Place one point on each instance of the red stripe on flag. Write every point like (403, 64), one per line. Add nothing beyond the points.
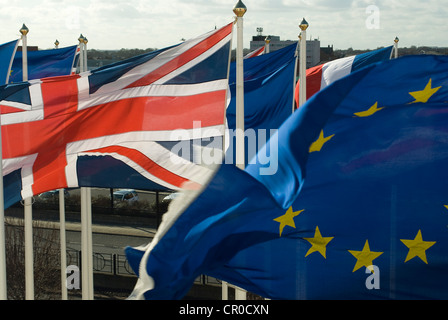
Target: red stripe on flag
(151, 114)
(184, 58)
(128, 115)
(49, 170)
(313, 82)
(60, 95)
(146, 163)
(8, 109)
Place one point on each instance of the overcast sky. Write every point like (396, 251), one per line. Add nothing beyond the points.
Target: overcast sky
(115, 24)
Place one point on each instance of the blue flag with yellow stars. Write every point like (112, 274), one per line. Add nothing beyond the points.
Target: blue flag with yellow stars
(357, 209)
(7, 51)
(268, 98)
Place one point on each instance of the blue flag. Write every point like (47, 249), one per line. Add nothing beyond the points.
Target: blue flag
(7, 51)
(358, 208)
(268, 97)
(44, 63)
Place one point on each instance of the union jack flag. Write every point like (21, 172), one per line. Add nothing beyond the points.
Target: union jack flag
(113, 126)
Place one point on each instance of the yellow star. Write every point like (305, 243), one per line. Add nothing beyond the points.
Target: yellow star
(424, 95)
(287, 219)
(318, 243)
(372, 110)
(365, 257)
(417, 247)
(319, 143)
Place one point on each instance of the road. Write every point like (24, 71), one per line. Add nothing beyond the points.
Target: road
(106, 238)
(109, 239)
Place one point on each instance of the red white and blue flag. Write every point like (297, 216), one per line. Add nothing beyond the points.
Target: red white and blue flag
(255, 53)
(113, 126)
(321, 76)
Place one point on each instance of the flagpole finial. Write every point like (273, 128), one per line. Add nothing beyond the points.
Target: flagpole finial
(81, 38)
(396, 40)
(268, 39)
(24, 30)
(239, 9)
(85, 40)
(304, 25)
(56, 43)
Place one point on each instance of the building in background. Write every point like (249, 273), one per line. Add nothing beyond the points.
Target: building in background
(312, 46)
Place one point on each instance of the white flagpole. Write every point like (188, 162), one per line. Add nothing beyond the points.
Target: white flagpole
(239, 10)
(394, 52)
(89, 239)
(81, 53)
(302, 93)
(267, 46)
(86, 211)
(28, 214)
(62, 233)
(24, 31)
(396, 47)
(294, 83)
(85, 54)
(63, 245)
(89, 211)
(84, 246)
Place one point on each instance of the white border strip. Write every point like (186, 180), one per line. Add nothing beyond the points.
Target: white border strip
(147, 91)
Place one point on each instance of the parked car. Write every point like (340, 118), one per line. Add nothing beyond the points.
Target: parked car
(125, 195)
(53, 195)
(171, 197)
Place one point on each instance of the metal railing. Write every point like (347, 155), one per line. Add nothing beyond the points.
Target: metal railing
(111, 263)
(117, 264)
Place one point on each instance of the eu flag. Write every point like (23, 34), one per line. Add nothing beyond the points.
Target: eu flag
(358, 208)
(7, 51)
(268, 97)
(44, 63)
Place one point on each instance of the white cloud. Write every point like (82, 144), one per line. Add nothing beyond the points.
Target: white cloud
(160, 23)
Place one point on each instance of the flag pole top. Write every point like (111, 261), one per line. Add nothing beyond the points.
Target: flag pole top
(396, 40)
(81, 38)
(239, 9)
(24, 30)
(303, 25)
(56, 43)
(85, 40)
(268, 39)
